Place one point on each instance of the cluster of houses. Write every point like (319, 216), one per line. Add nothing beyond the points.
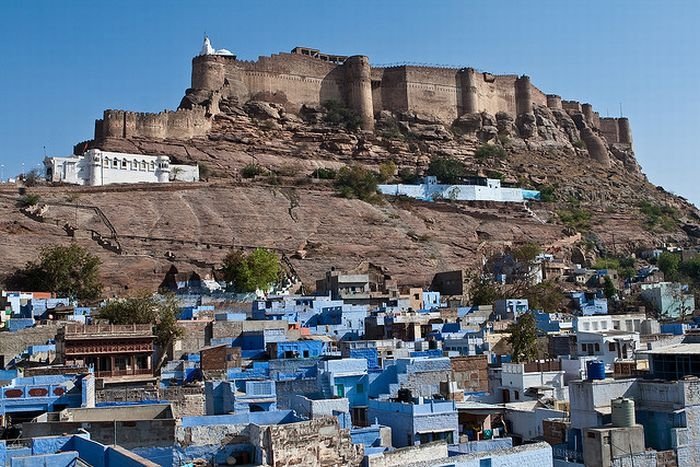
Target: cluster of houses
(362, 372)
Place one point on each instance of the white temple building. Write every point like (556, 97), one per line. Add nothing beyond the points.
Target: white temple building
(207, 49)
(97, 167)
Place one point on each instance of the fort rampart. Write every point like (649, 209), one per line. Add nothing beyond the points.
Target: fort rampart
(295, 79)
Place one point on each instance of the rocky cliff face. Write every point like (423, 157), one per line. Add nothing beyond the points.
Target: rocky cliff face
(140, 231)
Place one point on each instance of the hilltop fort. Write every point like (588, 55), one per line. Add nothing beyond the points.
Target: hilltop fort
(306, 78)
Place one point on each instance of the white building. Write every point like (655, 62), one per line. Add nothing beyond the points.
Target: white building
(524, 381)
(97, 167)
(489, 189)
(608, 346)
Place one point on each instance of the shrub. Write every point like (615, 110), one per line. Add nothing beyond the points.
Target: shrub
(489, 151)
(607, 263)
(387, 170)
(30, 199)
(408, 176)
(390, 130)
(659, 217)
(547, 193)
(339, 115)
(578, 144)
(324, 173)
(251, 170)
(575, 217)
(446, 169)
(204, 171)
(357, 182)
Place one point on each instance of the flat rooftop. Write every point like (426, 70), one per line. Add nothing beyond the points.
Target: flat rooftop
(681, 349)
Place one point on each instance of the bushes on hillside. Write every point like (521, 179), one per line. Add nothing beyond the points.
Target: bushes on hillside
(358, 182)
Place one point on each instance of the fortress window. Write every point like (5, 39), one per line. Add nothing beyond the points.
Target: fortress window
(124, 164)
(115, 163)
(152, 167)
(105, 163)
(143, 165)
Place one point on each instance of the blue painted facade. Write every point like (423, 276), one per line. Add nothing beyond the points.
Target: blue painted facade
(420, 422)
(590, 303)
(242, 396)
(45, 393)
(296, 349)
(63, 451)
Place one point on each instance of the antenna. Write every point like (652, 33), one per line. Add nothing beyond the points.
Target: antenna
(620, 109)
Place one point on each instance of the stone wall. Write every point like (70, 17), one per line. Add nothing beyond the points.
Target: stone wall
(185, 401)
(319, 442)
(294, 80)
(471, 373)
(179, 124)
(403, 456)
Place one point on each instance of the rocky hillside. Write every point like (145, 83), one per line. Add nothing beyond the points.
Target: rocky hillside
(598, 199)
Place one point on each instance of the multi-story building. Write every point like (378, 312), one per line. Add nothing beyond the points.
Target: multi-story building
(110, 350)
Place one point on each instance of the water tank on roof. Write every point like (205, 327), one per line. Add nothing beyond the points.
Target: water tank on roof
(595, 369)
(623, 412)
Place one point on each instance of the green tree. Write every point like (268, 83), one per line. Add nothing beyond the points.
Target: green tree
(257, 270)
(387, 170)
(339, 115)
(545, 296)
(356, 181)
(408, 176)
(145, 308)
(609, 288)
(446, 169)
(489, 151)
(669, 263)
(484, 291)
(527, 253)
(523, 338)
(691, 268)
(65, 270)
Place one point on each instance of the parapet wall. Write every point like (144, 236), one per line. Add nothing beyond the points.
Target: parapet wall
(295, 80)
(179, 124)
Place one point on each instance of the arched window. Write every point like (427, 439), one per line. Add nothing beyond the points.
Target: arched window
(143, 165)
(105, 163)
(152, 166)
(124, 164)
(115, 163)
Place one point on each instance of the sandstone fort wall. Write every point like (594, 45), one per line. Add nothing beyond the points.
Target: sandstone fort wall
(179, 124)
(295, 80)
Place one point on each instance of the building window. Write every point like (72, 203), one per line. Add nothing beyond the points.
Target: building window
(340, 390)
(611, 346)
(517, 395)
(306, 354)
(583, 347)
(597, 347)
(152, 167)
(143, 166)
(124, 164)
(360, 388)
(115, 164)
(105, 163)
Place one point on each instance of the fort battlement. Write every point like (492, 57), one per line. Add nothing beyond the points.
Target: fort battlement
(309, 77)
(178, 124)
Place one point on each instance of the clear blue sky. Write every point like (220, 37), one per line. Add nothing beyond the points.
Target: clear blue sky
(63, 63)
